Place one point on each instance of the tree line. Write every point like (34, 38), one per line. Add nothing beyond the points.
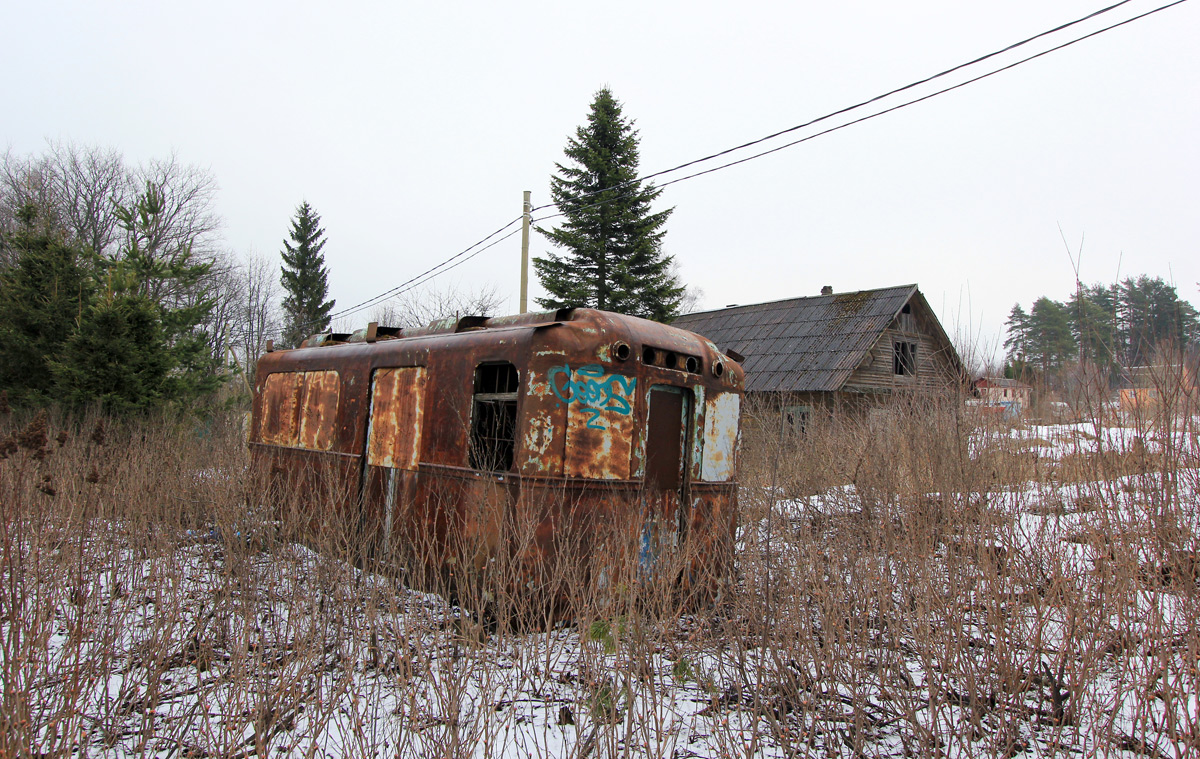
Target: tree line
(1111, 326)
(115, 289)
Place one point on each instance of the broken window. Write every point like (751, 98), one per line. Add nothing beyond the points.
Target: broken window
(795, 419)
(904, 358)
(494, 417)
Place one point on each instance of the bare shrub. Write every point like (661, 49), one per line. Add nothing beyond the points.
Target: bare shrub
(909, 582)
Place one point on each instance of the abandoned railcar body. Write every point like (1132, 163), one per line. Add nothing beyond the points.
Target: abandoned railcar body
(571, 417)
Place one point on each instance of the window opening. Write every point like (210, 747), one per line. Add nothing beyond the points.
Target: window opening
(795, 419)
(904, 358)
(494, 417)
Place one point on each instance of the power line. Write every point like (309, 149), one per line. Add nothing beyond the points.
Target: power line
(850, 108)
(915, 100)
(431, 272)
(423, 277)
(467, 254)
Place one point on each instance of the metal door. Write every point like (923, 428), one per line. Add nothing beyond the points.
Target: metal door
(668, 431)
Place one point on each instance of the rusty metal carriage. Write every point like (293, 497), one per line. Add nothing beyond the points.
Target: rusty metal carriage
(437, 434)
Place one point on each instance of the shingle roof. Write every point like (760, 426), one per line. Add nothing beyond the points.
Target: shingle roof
(802, 344)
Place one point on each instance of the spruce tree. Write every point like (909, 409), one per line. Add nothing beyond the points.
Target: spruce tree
(612, 242)
(43, 296)
(305, 278)
(140, 343)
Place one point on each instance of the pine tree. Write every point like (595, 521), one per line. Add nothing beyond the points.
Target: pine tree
(1050, 341)
(613, 256)
(305, 278)
(1016, 345)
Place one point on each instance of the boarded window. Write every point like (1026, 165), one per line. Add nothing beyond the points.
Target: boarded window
(721, 414)
(599, 421)
(279, 422)
(318, 410)
(494, 417)
(299, 409)
(904, 358)
(397, 403)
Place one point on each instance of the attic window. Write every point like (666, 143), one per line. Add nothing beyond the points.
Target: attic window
(494, 417)
(904, 358)
(906, 309)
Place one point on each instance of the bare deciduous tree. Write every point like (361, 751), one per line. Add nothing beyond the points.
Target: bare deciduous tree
(86, 182)
(258, 313)
(416, 308)
(74, 187)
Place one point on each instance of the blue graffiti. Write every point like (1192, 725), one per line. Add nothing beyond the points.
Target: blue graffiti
(595, 392)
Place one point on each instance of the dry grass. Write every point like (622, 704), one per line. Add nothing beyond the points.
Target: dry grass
(912, 585)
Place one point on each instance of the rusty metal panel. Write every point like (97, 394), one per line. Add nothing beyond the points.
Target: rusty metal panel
(318, 410)
(279, 423)
(599, 420)
(397, 418)
(721, 414)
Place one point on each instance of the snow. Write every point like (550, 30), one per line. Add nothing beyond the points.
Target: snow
(198, 651)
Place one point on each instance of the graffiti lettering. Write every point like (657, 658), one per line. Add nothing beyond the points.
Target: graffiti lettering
(594, 391)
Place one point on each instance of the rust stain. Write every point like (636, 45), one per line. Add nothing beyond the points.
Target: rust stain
(318, 409)
(397, 416)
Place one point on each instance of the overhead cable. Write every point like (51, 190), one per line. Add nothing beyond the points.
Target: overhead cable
(467, 254)
(850, 108)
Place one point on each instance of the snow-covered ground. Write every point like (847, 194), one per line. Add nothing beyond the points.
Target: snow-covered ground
(1026, 621)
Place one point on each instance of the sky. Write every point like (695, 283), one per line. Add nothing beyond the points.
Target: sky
(413, 128)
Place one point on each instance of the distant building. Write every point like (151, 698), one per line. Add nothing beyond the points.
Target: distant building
(1145, 388)
(1008, 396)
(835, 349)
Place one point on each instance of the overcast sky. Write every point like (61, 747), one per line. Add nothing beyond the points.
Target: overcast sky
(412, 128)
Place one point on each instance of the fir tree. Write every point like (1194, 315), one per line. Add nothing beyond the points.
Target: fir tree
(140, 343)
(305, 278)
(613, 257)
(42, 298)
(119, 358)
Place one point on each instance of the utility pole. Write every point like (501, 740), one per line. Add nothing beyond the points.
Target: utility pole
(526, 207)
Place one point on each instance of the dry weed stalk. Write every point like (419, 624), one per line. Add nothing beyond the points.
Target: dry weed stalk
(933, 583)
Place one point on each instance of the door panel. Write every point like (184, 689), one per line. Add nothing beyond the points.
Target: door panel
(665, 440)
(665, 484)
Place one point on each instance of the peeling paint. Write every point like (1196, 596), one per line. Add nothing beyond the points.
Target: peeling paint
(721, 419)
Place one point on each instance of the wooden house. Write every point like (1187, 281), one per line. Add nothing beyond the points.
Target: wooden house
(834, 350)
(1008, 397)
(1149, 388)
